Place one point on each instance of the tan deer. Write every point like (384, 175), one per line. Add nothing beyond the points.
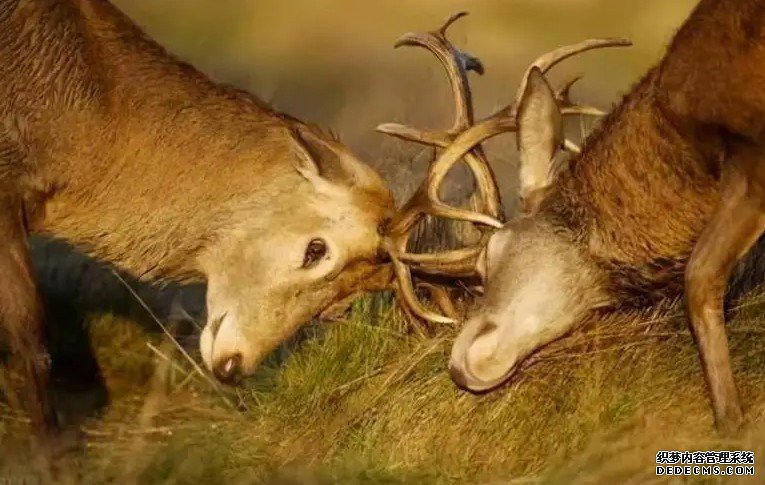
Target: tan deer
(109, 142)
(667, 196)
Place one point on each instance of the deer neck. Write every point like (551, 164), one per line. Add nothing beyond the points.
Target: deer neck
(639, 195)
(150, 192)
(141, 159)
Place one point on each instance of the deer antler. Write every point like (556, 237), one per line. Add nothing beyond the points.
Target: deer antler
(536, 114)
(539, 130)
(426, 200)
(511, 118)
(456, 64)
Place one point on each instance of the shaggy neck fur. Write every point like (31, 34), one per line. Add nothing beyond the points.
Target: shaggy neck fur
(647, 181)
(636, 198)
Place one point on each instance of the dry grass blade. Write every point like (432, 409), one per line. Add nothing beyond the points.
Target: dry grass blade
(175, 342)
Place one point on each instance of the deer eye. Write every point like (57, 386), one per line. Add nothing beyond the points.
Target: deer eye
(314, 252)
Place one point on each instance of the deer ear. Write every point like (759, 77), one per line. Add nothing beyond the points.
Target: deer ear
(540, 133)
(318, 157)
(304, 161)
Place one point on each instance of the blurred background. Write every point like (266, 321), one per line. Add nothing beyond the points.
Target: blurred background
(332, 62)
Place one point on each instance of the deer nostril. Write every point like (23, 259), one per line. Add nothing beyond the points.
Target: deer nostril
(228, 370)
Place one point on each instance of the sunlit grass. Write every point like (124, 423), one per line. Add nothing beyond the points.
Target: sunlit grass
(365, 401)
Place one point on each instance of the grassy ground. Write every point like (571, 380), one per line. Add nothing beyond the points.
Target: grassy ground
(365, 401)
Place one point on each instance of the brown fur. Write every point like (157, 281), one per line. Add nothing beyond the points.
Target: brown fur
(671, 185)
(21, 313)
(78, 109)
(648, 180)
(636, 167)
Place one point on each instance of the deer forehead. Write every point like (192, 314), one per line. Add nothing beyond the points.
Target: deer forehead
(352, 218)
(347, 218)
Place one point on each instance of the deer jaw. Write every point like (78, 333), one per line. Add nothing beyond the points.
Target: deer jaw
(538, 287)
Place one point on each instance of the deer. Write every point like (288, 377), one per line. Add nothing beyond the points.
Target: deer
(109, 142)
(663, 201)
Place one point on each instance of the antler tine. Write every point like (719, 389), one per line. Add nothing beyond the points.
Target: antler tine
(568, 107)
(572, 147)
(475, 160)
(407, 292)
(459, 148)
(565, 90)
(408, 133)
(395, 245)
(456, 262)
(456, 64)
(563, 94)
(546, 61)
(579, 109)
(449, 21)
(550, 59)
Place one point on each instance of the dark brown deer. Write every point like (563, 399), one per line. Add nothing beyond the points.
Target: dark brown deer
(667, 196)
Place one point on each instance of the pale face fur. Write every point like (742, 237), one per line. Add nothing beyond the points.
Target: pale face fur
(260, 291)
(537, 288)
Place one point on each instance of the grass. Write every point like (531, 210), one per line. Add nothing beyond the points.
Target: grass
(364, 401)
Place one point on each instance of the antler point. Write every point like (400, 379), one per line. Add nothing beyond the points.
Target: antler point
(452, 18)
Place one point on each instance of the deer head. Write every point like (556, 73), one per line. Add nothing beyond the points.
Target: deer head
(305, 248)
(318, 267)
(532, 275)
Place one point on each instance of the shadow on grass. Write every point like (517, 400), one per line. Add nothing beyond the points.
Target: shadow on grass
(75, 288)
